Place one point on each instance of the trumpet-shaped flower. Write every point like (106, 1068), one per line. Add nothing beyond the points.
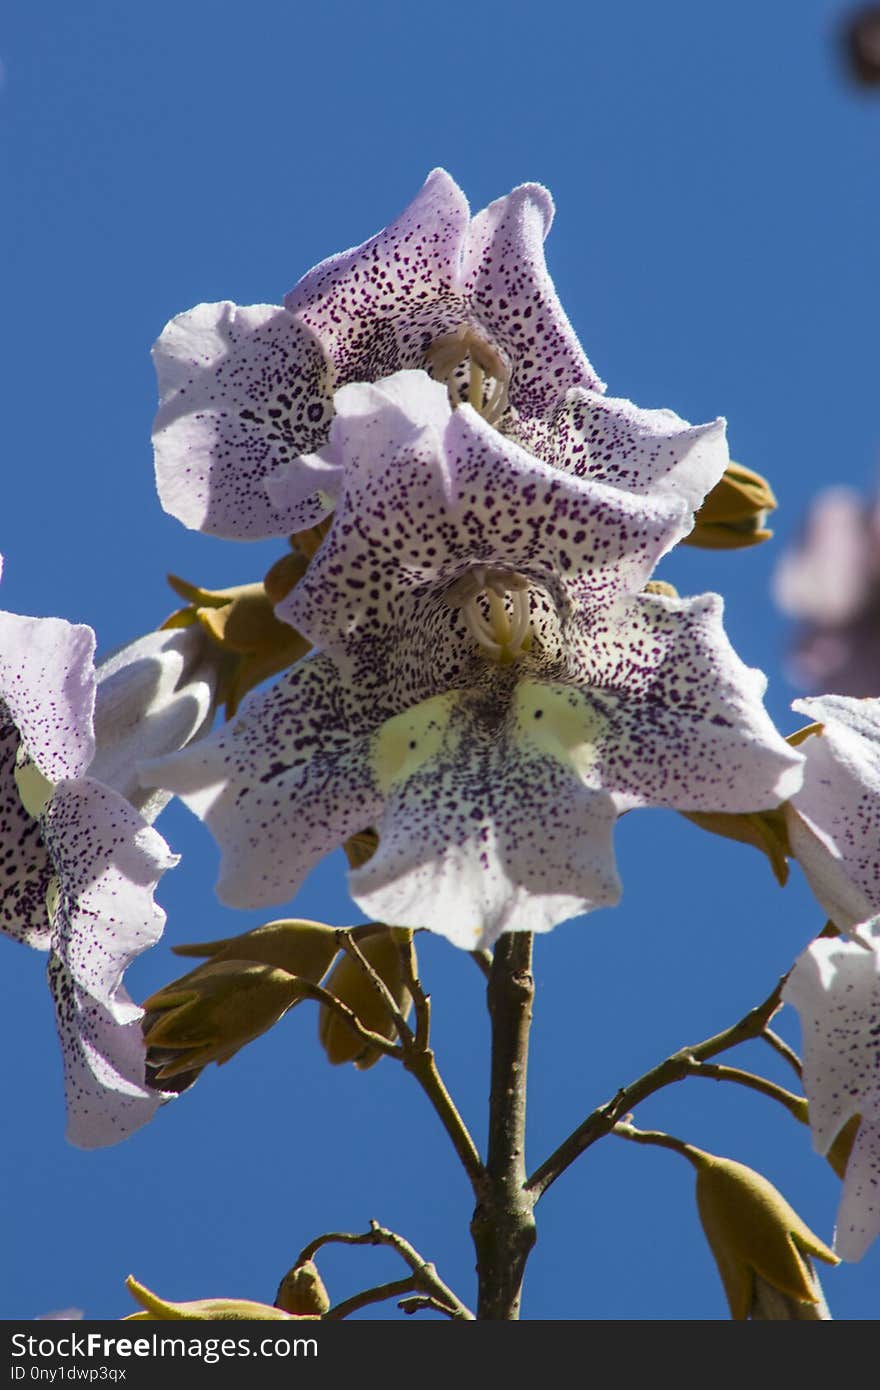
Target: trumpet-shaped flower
(835, 987)
(79, 862)
(834, 829)
(834, 820)
(494, 688)
(246, 390)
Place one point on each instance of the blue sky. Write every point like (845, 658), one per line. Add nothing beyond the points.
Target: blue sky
(715, 247)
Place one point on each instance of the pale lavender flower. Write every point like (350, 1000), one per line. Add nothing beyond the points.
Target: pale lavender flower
(830, 582)
(495, 688)
(79, 862)
(245, 390)
(834, 819)
(834, 828)
(835, 986)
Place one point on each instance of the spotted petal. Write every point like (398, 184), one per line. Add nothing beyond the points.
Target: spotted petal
(511, 296)
(107, 862)
(377, 307)
(482, 832)
(423, 502)
(676, 718)
(281, 785)
(25, 869)
(47, 690)
(242, 392)
(835, 824)
(835, 987)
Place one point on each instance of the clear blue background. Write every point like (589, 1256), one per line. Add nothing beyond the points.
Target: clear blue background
(716, 248)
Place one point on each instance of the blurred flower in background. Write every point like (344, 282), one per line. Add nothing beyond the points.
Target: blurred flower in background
(861, 36)
(830, 582)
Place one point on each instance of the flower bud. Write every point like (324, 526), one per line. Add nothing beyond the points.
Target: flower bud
(209, 1014)
(757, 1239)
(734, 513)
(302, 1291)
(349, 983)
(202, 1310)
(241, 622)
(297, 946)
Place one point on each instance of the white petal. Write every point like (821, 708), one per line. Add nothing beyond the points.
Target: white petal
(25, 869)
(154, 696)
(840, 804)
(107, 862)
(512, 297)
(377, 307)
(244, 391)
(281, 785)
(47, 685)
(681, 718)
(481, 833)
(835, 987)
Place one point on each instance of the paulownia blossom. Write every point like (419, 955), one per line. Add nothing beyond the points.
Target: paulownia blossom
(834, 819)
(79, 862)
(835, 987)
(834, 827)
(495, 688)
(245, 390)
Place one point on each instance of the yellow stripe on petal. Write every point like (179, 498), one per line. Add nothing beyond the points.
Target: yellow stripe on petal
(409, 740)
(555, 721)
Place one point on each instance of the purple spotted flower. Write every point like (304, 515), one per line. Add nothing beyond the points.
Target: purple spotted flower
(494, 687)
(834, 820)
(247, 390)
(835, 986)
(834, 827)
(79, 862)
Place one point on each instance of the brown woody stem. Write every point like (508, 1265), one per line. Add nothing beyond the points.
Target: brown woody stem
(503, 1225)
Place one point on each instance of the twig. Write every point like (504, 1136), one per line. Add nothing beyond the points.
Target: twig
(416, 1304)
(713, 1071)
(323, 996)
(368, 1296)
(403, 938)
(418, 1057)
(781, 1046)
(624, 1130)
(425, 1276)
(675, 1068)
(346, 943)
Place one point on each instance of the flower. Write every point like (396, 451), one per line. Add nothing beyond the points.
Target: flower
(830, 582)
(494, 687)
(833, 828)
(80, 862)
(835, 987)
(244, 391)
(834, 818)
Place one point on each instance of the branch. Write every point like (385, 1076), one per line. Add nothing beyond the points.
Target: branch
(323, 996)
(675, 1068)
(795, 1105)
(425, 1276)
(375, 1295)
(503, 1225)
(416, 1054)
(781, 1046)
